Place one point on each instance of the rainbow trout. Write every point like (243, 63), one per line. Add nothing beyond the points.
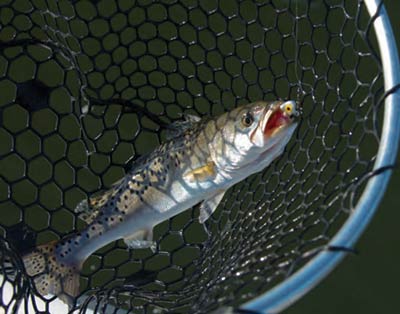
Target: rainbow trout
(200, 161)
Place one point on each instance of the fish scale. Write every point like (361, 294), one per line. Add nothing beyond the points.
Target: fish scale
(197, 164)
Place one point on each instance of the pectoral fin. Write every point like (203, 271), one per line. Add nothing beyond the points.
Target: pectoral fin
(141, 240)
(209, 206)
(202, 173)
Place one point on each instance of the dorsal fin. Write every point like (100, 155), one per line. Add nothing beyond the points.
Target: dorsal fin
(88, 210)
(180, 126)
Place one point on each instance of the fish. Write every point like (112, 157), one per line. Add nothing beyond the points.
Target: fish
(200, 160)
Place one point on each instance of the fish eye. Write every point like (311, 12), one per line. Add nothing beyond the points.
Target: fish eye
(247, 119)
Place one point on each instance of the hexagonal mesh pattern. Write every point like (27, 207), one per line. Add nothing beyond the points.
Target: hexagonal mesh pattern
(86, 88)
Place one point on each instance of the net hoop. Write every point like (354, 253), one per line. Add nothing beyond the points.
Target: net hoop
(301, 282)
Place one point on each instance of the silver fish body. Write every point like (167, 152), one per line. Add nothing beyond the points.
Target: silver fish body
(201, 161)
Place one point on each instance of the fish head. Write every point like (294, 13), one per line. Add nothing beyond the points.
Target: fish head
(251, 136)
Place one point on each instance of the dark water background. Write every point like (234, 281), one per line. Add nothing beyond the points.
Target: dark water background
(368, 283)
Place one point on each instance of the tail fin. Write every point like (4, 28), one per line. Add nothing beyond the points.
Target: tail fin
(51, 276)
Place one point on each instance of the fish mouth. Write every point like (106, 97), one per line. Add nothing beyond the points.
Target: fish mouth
(275, 121)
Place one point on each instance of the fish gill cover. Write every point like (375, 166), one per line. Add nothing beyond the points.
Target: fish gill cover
(88, 87)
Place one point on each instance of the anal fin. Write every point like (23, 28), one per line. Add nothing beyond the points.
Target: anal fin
(141, 240)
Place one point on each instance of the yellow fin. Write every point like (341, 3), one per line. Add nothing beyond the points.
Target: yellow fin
(202, 173)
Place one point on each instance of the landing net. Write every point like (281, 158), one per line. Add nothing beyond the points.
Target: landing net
(88, 87)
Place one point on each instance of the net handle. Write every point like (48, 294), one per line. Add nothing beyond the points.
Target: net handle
(292, 289)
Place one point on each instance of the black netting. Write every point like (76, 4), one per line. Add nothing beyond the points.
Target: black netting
(87, 88)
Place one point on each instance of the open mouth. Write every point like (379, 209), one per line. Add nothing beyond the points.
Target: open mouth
(276, 121)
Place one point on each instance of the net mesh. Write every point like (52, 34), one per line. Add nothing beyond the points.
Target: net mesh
(87, 87)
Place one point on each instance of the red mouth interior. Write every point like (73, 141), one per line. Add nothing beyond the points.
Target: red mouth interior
(276, 120)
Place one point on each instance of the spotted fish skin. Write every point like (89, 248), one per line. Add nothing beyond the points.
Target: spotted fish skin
(198, 164)
(148, 194)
